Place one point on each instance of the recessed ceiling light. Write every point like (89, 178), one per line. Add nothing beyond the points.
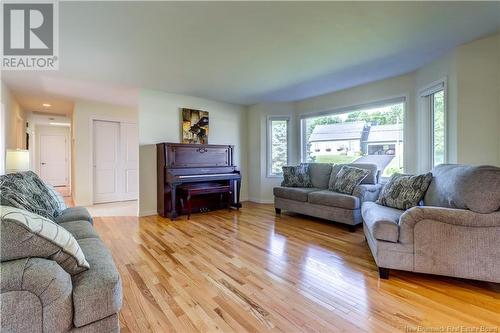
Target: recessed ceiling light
(47, 105)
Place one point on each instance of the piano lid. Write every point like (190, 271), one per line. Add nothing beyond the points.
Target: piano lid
(179, 155)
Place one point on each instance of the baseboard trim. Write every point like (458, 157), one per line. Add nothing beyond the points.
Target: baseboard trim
(148, 213)
(261, 201)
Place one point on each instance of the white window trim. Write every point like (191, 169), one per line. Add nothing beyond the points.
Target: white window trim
(370, 105)
(425, 93)
(270, 119)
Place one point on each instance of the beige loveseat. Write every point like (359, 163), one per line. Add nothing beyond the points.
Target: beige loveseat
(455, 233)
(320, 202)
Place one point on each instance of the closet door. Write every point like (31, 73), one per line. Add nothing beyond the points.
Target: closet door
(107, 166)
(130, 153)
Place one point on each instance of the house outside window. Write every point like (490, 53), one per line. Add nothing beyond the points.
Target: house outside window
(370, 134)
(277, 144)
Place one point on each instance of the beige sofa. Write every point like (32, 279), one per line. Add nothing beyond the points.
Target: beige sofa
(455, 233)
(318, 201)
(36, 293)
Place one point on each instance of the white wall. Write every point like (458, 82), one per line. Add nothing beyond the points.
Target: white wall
(473, 76)
(478, 122)
(261, 186)
(442, 68)
(15, 121)
(83, 114)
(159, 121)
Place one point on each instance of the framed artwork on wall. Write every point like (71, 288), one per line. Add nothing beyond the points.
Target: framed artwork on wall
(194, 126)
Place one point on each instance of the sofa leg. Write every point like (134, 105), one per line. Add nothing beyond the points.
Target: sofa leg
(277, 210)
(383, 273)
(351, 228)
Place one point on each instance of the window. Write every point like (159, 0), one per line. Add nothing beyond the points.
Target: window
(277, 145)
(367, 134)
(434, 105)
(438, 127)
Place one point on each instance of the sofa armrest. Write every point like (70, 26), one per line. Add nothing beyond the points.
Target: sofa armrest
(28, 279)
(367, 192)
(458, 217)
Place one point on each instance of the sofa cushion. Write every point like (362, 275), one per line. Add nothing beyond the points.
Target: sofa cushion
(371, 178)
(80, 229)
(74, 214)
(97, 292)
(27, 191)
(293, 193)
(347, 179)
(320, 174)
(382, 222)
(404, 191)
(333, 199)
(296, 176)
(25, 234)
(465, 187)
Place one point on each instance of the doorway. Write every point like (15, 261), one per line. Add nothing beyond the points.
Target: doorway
(115, 161)
(52, 154)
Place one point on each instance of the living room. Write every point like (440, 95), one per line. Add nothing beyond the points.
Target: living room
(250, 166)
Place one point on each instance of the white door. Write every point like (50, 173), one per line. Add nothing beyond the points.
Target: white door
(130, 153)
(54, 159)
(107, 182)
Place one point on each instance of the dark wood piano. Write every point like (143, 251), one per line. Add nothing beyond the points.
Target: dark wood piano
(183, 164)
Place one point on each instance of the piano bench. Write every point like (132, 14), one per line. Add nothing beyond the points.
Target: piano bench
(190, 190)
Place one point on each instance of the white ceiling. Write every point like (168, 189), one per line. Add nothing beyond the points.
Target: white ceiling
(247, 52)
(33, 102)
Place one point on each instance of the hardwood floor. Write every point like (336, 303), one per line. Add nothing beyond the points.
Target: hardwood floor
(252, 271)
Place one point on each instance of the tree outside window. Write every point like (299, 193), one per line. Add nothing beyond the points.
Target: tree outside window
(278, 145)
(438, 128)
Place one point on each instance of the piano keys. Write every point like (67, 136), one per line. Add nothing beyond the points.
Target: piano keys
(179, 164)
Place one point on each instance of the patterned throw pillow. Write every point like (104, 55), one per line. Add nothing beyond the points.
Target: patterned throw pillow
(347, 179)
(57, 197)
(25, 235)
(296, 176)
(27, 191)
(404, 191)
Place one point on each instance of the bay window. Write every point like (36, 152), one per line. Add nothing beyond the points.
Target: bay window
(370, 133)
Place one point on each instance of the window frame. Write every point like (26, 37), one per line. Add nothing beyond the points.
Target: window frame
(269, 163)
(427, 97)
(398, 99)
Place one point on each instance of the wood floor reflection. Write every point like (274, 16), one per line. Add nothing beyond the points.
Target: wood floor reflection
(252, 271)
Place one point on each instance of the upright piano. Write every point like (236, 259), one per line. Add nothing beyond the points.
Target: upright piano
(179, 164)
